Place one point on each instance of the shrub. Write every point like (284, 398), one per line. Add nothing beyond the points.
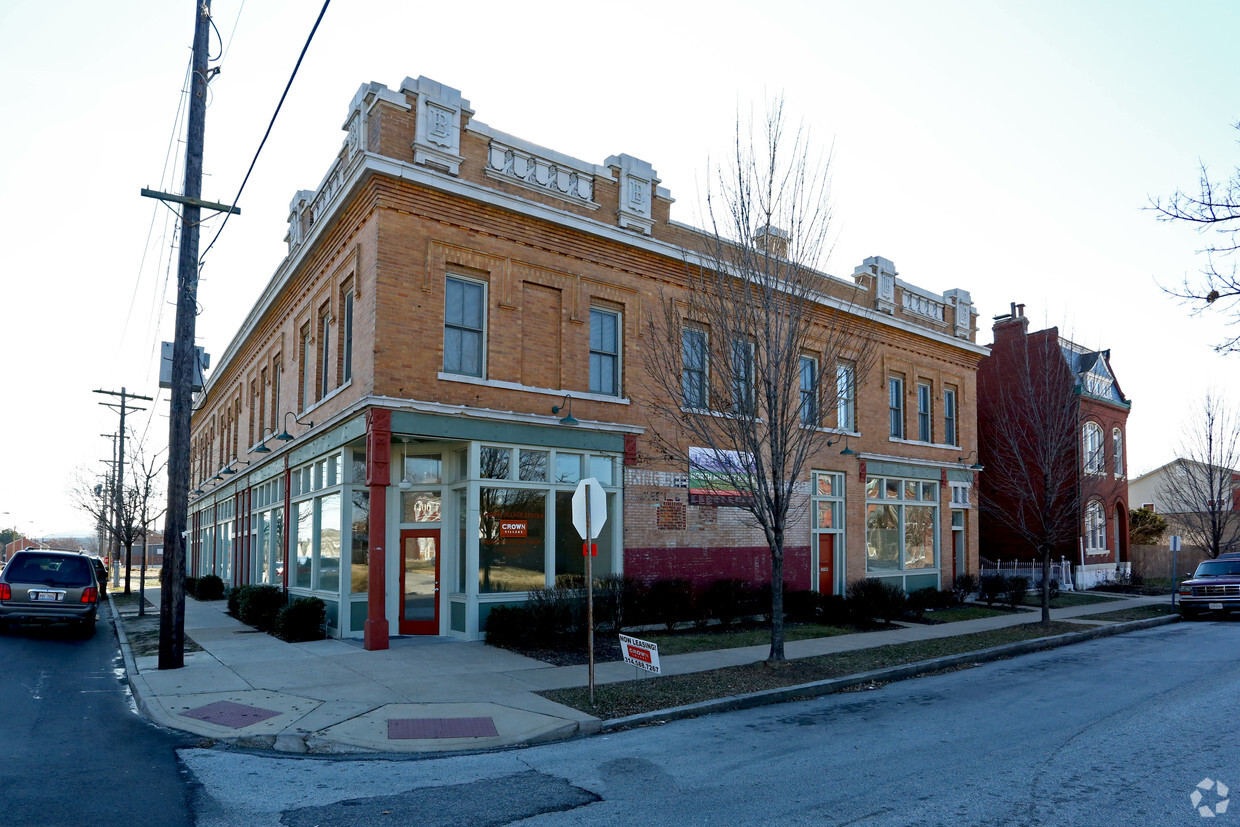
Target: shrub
(963, 586)
(801, 606)
(609, 602)
(872, 599)
(234, 599)
(922, 600)
(991, 588)
(762, 601)
(258, 605)
(555, 612)
(1014, 593)
(1054, 588)
(833, 609)
(671, 602)
(210, 587)
(727, 599)
(509, 625)
(191, 586)
(305, 618)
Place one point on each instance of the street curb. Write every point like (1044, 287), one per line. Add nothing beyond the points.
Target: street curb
(894, 673)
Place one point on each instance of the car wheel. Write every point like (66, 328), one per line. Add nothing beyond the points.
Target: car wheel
(1190, 613)
(86, 628)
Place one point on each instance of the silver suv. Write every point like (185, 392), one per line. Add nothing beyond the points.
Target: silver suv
(40, 585)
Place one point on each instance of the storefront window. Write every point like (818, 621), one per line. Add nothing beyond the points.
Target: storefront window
(494, 463)
(600, 469)
(901, 530)
(277, 546)
(882, 535)
(358, 477)
(533, 466)
(359, 578)
(419, 507)
(567, 467)
(512, 540)
(303, 542)
(570, 563)
(424, 470)
(462, 537)
(264, 543)
(329, 543)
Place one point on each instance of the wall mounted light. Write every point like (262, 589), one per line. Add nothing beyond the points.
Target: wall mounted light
(965, 460)
(848, 452)
(568, 418)
(262, 443)
(284, 435)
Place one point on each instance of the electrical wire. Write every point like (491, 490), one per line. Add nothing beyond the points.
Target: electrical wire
(270, 125)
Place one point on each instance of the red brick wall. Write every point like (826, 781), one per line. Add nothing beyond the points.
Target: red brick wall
(703, 564)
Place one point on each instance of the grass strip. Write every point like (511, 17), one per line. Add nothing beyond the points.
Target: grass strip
(1135, 613)
(616, 700)
(739, 638)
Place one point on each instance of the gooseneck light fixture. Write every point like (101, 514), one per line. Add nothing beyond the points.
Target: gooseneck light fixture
(262, 443)
(847, 452)
(965, 460)
(568, 418)
(285, 436)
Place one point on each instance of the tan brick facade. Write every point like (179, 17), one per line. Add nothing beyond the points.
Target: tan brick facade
(415, 198)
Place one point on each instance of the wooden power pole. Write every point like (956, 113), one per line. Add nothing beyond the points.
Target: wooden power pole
(184, 358)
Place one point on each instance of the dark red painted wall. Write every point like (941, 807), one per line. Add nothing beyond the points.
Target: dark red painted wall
(701, 566)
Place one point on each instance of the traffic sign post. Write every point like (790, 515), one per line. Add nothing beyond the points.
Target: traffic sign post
(1175, 553)
(589, 514)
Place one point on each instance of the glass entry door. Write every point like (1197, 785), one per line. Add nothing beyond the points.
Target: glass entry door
(419, 582)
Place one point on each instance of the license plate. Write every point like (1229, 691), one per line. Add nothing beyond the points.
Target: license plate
(48, 596)
(1217, 607)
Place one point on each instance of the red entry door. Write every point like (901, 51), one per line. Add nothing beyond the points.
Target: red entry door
(826, 563)
(419, 582)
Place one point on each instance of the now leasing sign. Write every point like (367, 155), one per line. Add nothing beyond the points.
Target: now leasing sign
(641, 653)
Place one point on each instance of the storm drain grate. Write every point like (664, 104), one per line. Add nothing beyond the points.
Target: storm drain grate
(404, 728)
(229, 714)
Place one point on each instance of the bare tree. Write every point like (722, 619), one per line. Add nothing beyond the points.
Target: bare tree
(1215, 208)
(724, 363)
(1200, 491)
(1029, 427)
(136, 510)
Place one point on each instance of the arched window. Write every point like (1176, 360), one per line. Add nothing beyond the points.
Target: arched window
(1117, 445)
(1091, 439)
(1095, 528)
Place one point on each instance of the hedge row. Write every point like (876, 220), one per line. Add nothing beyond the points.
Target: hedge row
(552, 615)
(266, 607)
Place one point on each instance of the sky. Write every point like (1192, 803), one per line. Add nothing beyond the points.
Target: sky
(1005, 148)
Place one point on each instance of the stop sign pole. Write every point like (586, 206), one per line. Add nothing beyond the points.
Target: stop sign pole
(589, 514)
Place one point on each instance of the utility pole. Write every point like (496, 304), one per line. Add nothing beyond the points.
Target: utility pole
(184, 358)
(123, 529)
(109, 499)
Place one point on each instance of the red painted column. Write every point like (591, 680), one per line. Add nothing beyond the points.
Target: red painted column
(288, 517)
(378, 476)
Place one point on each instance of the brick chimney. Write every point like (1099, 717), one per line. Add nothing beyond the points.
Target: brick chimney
(772, 240)
(1011, 324)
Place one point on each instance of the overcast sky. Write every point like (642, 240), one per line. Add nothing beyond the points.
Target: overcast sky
(1006, 148)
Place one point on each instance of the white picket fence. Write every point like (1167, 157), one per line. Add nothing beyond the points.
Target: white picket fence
(1061, 571)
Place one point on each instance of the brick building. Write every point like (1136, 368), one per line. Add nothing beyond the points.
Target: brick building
(1098, 462)
(454, 340)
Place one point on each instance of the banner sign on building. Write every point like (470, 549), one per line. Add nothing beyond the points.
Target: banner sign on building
(641, 653)
(712, 474)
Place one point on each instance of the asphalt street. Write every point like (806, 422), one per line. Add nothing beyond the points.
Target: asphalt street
(1121, 730)
(73, 749)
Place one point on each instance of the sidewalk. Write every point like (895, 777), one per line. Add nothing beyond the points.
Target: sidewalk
(428, 695)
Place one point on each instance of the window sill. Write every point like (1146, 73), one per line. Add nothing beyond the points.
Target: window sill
(330, 395)
(514, 386)
(1097, 552)
(941, 445)
(720, 414)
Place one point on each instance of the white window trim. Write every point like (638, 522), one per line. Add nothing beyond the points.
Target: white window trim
(466, 379)
(486, 319)
(619, 354)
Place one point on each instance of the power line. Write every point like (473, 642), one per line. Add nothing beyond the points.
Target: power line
(267, 134)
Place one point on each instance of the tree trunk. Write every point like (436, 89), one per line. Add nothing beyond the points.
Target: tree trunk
(777, 600)
(1046, 585)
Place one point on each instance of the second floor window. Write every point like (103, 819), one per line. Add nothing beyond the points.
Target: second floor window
(1091, 445)
(845, 410)
(1117, 445)
(923, 412)
(325, 329)
(463, 328)
(604, 352)
(949, 416)
(742, 377)
(895, 406)
(307, 369)
(693, 355)
(346, 339)
(809, 391)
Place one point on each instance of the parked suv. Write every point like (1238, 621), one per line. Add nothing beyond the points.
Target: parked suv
(1214, 587)
(42, 586)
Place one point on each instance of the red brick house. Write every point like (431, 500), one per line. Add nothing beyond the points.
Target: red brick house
(1099, 481)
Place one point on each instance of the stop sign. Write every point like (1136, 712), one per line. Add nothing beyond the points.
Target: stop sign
(597, 508)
